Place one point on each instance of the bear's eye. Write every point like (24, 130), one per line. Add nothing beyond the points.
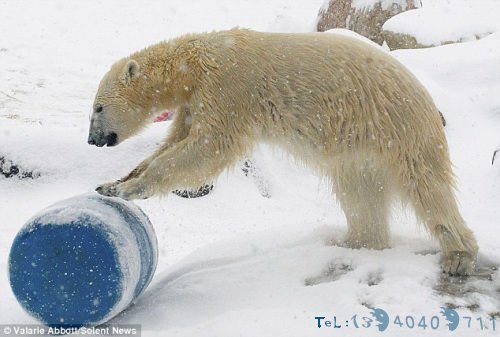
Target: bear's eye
(98, 108)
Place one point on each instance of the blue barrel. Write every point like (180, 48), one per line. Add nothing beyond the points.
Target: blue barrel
(83, 260)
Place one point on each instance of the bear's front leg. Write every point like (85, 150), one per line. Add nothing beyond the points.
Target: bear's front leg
(109, 189)
(179, 130)
(187, 164)
(128, 190)
(133, 189)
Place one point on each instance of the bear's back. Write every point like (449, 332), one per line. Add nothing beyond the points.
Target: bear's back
(321, 79)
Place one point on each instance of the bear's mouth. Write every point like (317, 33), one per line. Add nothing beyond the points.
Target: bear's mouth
(111, 139)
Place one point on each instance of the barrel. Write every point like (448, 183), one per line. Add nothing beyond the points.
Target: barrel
(83, 260)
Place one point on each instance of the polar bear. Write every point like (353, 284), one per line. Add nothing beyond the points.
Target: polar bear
(340, 106)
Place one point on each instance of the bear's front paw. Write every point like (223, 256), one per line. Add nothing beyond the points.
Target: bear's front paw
(132, 189)
(108, 189)
(458, 263)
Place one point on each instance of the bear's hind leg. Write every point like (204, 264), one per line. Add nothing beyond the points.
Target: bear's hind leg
(362, 190)
(430, 190)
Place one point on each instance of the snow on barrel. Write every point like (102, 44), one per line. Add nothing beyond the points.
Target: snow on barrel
(83, 260)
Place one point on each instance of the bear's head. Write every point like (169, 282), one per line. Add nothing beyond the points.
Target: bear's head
(138, 88)
(121, 105)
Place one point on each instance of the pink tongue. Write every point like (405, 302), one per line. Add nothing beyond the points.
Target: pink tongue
(163, 117)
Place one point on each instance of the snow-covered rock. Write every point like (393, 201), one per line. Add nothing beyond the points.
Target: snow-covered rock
(9, 169)
(442, 22)
(365, 17)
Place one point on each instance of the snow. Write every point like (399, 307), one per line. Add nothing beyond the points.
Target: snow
(235, 262)
(350, 33)
(444, 21)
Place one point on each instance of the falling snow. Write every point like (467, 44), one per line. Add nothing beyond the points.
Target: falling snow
(238, 262)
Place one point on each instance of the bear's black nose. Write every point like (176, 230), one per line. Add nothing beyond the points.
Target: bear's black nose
(100, 141)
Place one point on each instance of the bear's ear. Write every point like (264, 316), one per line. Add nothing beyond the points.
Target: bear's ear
(130, 71)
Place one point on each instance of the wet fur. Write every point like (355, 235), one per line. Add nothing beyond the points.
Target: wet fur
(348, 110)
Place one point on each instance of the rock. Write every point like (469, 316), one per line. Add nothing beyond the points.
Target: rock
(365, 17)
(401, 41)
(8, 169)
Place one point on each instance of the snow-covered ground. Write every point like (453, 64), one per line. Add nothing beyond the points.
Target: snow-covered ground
(235, 263)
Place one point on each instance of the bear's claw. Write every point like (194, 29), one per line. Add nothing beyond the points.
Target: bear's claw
(127, 190)
(458, 263)
(108, 189)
